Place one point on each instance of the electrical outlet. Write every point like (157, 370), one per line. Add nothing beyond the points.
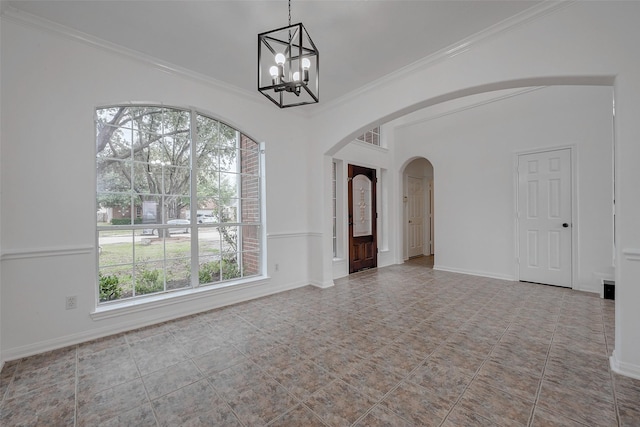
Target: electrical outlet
(71, 302)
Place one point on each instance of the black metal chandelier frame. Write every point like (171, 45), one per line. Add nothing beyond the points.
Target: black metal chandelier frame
(293, 64)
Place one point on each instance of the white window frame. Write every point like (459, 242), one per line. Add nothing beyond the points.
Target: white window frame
(106, 309)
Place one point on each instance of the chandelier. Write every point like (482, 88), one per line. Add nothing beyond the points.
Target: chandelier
(288, 66)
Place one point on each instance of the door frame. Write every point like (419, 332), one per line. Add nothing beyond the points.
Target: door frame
(575, 226)
(352, 170)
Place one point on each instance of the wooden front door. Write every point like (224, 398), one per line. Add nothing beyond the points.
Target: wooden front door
(363, 247)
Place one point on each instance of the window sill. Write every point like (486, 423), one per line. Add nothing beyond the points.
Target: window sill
(128, 307)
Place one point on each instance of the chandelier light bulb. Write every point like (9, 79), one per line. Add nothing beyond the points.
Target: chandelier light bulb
(296, 76)
(280, 59)
(306, 63)
(273, 71)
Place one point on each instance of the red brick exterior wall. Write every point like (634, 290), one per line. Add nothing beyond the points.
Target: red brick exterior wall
(250, 205)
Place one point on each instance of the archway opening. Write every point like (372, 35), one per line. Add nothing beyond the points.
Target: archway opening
(418, 218)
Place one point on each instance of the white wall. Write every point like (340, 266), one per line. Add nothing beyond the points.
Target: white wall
(51, 85)
(584, 43)
(473, 152)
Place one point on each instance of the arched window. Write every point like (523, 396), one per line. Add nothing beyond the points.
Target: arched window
(178, 202)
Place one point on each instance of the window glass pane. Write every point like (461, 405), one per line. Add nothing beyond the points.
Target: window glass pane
(113, 176)
(228, 136)
(228, 186)
(114, 142)
(178, 246)
(229, 211)
(362, 225)
(149, 248)
(176, 180)
(113, 209)
(209, 270)
(147, 119)
(151, 210)
(178, 211)
(147, 178)
(178, 274)
(115, 116)
(177, 122)
(208, 186)
(227, 159)
(178, 260)
(177, 149)
(209, 243)
(115, 283)
(230, 267)
(115, 247)
(228, 238)
(149, 278)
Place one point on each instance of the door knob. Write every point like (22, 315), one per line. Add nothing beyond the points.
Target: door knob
(565, 225)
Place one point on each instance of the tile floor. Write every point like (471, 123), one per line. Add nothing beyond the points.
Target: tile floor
(398, 346)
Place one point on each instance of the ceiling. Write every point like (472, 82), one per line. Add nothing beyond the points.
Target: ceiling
(359, 41)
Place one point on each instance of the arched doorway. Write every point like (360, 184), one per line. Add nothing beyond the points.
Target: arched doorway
(418, 219)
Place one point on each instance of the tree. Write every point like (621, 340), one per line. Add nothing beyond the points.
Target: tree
(145, 152)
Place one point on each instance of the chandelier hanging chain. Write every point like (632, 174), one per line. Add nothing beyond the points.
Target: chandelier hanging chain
(289, 20)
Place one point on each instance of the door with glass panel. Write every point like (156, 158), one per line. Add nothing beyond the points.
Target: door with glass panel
(363, 247)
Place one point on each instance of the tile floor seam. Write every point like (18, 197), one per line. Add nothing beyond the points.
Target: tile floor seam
(544, 369)
(215, 390)
(75, 396)
(474, 377)
(144, 385)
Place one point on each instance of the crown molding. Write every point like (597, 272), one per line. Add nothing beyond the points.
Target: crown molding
(545, 8)
(27, 19)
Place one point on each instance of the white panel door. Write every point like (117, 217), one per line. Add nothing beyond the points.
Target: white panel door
(415, 207)
(544, 217)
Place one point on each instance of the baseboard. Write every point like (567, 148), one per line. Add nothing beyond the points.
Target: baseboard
(141, 322)
(322, 285)
(622, 368)
(474, 273)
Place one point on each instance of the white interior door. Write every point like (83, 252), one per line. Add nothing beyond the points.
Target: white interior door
(544, 217)
(415, 207)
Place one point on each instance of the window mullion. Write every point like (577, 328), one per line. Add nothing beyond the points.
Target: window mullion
(193, 194)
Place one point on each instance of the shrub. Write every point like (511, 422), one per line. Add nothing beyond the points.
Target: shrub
(210, 271)
(109, 287)
(149, 281)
